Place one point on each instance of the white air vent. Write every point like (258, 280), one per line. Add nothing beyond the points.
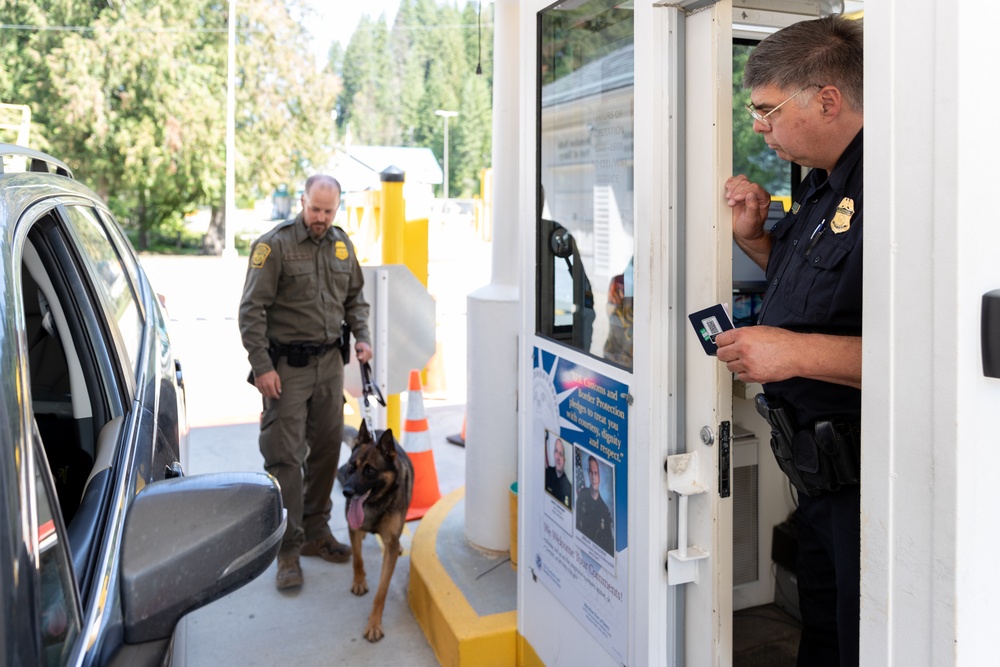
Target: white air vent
(746, 535)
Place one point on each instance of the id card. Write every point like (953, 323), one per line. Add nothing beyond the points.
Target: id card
(709, 323)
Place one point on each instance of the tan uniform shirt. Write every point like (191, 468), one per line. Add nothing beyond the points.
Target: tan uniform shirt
(298, 290)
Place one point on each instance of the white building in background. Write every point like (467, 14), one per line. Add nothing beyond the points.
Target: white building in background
(358, 169)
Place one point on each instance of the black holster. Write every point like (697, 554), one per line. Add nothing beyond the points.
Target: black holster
(816, 460)
(273, 352)
(298, 354)
(345, 342)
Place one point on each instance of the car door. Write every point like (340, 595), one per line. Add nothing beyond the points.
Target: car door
(100, 553)
(101, 331)
(58, 615)
(159, 380)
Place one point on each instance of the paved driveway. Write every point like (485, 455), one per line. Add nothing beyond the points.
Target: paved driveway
(321, 624)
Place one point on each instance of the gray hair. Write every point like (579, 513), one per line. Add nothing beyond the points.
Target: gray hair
(827, 51)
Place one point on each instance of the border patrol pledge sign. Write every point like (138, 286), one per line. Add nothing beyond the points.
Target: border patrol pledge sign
(580, 548)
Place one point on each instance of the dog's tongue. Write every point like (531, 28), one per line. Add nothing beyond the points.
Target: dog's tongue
(356, 511)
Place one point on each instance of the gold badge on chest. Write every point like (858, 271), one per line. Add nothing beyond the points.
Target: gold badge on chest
(842, 219)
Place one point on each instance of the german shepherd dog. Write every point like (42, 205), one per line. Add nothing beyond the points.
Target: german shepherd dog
(378, 485)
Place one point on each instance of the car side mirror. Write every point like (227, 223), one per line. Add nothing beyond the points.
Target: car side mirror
(191, 540)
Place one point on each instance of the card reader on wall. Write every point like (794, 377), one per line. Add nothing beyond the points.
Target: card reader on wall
(991, 334)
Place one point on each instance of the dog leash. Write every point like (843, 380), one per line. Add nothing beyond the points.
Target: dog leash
(369, 388)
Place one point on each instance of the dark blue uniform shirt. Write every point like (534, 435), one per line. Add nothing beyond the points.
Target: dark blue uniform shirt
(814, 278)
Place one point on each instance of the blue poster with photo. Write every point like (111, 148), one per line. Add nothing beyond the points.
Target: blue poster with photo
(580, 426)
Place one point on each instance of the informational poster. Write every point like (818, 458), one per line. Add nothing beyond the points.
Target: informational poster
(579, 548)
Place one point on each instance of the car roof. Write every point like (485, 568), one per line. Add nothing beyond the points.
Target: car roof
(18, 191)
(28, 176)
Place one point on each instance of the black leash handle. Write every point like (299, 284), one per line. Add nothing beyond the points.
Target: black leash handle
(369, 388)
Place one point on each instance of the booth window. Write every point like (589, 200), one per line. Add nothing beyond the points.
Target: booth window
(585, 160)
(760, 164)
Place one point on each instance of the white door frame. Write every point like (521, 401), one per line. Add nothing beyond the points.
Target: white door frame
(683, 68)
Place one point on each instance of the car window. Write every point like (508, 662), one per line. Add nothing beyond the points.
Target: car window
(59, 615)
(111, 280)
(125, 251)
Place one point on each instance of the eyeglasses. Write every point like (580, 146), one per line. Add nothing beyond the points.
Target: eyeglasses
(762, 117)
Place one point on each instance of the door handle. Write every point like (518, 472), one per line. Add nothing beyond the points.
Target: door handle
(990, 334)
(686, 478)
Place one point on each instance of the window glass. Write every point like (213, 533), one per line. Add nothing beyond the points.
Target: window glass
(59, 616)
(751, 156)
(586, 70)
(760, 164)
(125, 253)
(111, 281)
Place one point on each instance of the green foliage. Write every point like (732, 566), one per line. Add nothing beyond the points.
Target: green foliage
(567, 48)
(284, 102)
(751, 156)
(366, 98)
(395, 79)
(134, 112)
(170, 238)
(133, 97)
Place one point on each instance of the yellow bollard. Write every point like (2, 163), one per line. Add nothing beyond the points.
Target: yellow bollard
(393, 216)
(416, 253)
(416, 256)
(393, 249)
(392, 414)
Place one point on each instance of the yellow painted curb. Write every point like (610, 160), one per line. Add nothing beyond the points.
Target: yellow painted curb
(459, 636)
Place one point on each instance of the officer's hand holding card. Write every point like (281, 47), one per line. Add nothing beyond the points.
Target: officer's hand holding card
(709, 323)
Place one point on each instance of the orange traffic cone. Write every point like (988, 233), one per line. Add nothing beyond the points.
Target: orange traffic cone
(458, 438)
(417, 443)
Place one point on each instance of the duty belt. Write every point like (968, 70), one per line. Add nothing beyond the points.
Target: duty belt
(816, 460)
(298, 354)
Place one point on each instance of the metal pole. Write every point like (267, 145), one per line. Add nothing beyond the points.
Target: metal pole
(494, 314)
(446, 115)
(382, 417)
(446, 192)
(229, 246)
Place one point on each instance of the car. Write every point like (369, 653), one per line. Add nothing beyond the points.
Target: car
(105, 544)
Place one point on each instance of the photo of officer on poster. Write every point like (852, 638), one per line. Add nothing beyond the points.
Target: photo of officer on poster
(595, 500)
(558, 481)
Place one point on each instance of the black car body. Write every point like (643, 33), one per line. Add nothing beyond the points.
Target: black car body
(104, 543)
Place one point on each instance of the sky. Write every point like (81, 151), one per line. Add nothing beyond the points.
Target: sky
(337, 20)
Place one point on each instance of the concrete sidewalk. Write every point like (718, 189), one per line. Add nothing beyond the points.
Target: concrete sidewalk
(321, 623)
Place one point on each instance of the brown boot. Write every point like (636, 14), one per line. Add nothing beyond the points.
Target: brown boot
(289, 573)
(327, 548)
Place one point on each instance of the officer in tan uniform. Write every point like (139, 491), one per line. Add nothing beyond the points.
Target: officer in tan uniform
(303, 280)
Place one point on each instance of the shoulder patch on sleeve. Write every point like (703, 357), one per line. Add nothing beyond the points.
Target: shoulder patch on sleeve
(260, 253)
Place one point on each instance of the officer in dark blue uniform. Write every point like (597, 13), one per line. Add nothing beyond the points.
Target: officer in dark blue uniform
(806, 91)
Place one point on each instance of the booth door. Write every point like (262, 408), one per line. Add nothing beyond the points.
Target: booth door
(627, 234)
